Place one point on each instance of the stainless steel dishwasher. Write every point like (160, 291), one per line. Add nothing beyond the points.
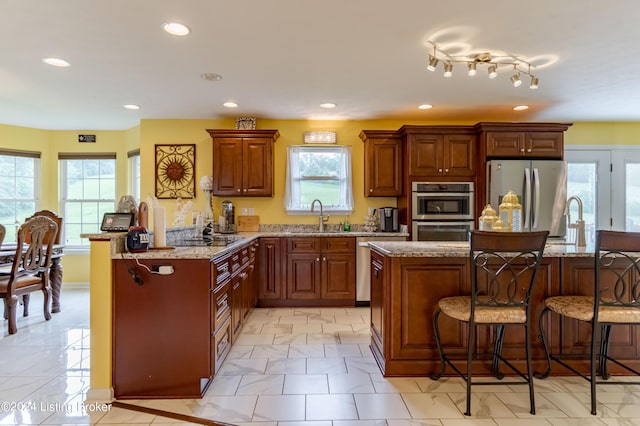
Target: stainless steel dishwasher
(363, 264)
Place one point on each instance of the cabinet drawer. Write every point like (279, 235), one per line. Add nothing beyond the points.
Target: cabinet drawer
(244, 255)
(221, 305)
(339, 245)
(302, 245)
(221, 345)
(221, 270)
(235, 261)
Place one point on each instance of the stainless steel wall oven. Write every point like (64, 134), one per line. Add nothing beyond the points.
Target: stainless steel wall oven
(442, 211)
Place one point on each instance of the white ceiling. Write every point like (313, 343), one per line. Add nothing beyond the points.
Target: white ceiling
(279, 59)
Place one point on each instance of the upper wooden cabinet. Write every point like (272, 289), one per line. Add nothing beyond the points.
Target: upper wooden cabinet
(440, 151)
(518, 140)
(243, 162)
(383, 165)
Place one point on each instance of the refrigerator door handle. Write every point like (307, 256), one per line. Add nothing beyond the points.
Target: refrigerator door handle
(536, 195)
(526, 194)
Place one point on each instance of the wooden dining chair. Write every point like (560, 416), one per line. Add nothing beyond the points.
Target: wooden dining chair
(612, 299)
(30, 268)
(504, 266)
(58, 220)
(3, 231)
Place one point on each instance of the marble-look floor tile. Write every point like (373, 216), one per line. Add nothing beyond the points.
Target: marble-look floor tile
(280, 408)
(229, 409)
(290, 339)
(394, 384)
(350, 383)
(342, 350)
(243, 366)
(255, 339)
(362, 365)
(326, 365)
(300, 384)
(381, 406)
(483, 405)
(331, 407)
(519, 404)
(306, 351)
(431, 405)
(270, 351)
(287, 366)
(268, 384)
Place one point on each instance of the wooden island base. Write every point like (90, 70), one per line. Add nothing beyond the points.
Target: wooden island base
(405, 288)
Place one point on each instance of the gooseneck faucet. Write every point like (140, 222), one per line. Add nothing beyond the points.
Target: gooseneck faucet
(581, 240)
(322, 219)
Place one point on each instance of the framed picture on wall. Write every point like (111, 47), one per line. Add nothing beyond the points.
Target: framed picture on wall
(175, 171)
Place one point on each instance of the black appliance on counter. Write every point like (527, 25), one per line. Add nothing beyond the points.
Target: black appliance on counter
(388, 219)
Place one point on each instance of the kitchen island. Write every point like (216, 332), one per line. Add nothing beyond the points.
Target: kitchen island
(163, 321)
(408, 279)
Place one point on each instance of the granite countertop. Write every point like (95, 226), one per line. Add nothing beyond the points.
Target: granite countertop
(461, 249)
(118, 241)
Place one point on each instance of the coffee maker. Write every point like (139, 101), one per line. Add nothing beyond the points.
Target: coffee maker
(388, 219)
(228, 213)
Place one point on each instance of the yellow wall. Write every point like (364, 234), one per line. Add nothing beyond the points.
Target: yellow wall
(271, 210)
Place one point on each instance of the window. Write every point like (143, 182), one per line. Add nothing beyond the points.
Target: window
(605, 177)
(318, 172)
(88, 191)
(19, 174)
(134, 167)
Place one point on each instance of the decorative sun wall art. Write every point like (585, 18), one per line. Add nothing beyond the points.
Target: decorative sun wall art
(175, 171)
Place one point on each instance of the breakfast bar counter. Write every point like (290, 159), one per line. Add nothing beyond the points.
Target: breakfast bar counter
(408, 279)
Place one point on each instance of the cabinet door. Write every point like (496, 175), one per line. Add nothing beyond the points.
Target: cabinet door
(227, 166)
(544, 144)
(505, 144)
(338, 276)
(257, 167)
(383, 167)
(270, 269)
(377, 298)
(303, 276)
(426, 155)
(459, 158)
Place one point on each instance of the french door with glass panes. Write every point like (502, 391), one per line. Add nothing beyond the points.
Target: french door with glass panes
(607, 180)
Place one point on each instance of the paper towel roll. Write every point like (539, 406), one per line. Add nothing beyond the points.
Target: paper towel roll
(159, 227)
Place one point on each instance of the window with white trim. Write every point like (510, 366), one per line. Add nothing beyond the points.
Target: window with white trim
(319, 172)
(88, 191)
(19, 188)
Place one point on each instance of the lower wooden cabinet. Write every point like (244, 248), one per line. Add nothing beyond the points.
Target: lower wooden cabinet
(158, 325)
(171, 333)
(405, 291)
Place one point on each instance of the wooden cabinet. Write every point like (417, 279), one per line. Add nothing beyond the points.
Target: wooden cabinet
(243, 162)
(155, 322)
(383, 163)
(321, 270)
(440, 151)
(523, 140)
(270, 271)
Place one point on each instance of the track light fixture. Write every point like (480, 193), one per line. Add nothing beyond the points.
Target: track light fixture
(493, 62)
(448, 70)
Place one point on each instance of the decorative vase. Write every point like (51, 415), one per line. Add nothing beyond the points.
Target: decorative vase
(208, 206)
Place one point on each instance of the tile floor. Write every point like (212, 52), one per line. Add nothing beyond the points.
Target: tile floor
(290, 367)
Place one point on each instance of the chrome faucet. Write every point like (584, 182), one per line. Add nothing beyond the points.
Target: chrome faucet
(322, 219)
(581, 240)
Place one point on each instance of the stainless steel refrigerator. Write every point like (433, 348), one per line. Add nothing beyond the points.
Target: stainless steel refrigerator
(541, 186)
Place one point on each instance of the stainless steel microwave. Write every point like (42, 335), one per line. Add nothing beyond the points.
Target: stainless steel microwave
(442, 201)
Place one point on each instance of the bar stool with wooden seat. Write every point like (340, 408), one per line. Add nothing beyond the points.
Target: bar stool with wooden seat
(30, 268)
(504, 266)
(3, 231)
(616, 287)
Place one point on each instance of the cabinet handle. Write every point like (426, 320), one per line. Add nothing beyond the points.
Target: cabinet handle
(439, 170)
(529, 150)
(317, 259)
(521, 149)
(238, 190)
(446, 170)
(370, 190)
(375, 272)
(245, 190)
(324, 259)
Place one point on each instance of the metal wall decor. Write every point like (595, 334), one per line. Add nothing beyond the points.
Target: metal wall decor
(245, 123)
(175, 171)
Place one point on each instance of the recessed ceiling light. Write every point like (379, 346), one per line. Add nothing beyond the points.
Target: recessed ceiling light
(425, 106)
(328, 105)
(131, 106)
(209, 76)
(56, 62)
(176, 29)
(230, 105)
(520, 107)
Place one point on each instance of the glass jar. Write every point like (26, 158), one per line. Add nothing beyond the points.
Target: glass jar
(511, 212)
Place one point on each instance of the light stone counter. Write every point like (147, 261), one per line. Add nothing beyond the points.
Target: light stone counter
(461, 249)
